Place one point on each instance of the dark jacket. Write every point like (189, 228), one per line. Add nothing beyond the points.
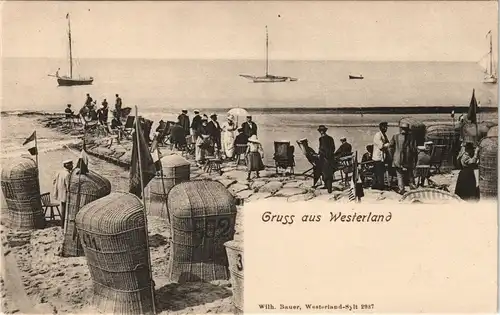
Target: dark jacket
(241, 138)
(184, 122)
(326, 156)
(196, 123)
(68, 112)
(177, 135)
(247, 130)
(403, 151)
(344, 149)
(214, 130)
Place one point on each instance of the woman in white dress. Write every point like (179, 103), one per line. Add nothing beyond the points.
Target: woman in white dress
(228, 129)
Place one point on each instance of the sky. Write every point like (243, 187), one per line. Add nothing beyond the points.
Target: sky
(298, 30)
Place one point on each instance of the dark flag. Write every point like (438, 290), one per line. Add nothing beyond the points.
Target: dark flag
(30, 144)
(147, 165)
(472, 114)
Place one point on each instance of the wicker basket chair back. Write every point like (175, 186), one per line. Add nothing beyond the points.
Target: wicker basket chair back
(417, 129)
(470, 133)
(493, 132)
(21, 191)
(83, 189)
(449, 136)
(488, 167)
(113, 234)
(203, 218)
(235, 256)
(175, 170)
(429, 195)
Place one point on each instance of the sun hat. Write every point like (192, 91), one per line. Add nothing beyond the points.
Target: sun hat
(404, 125)
(230, 117)
(184, 111)
(343, 138)
(67, 162)
(213, 115)
(384, 123)
(428, 143)
(253, 139)
(322, 128)
(196, 111)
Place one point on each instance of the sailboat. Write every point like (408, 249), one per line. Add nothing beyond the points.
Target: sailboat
(268, 78)
(70, 80)
(490, 76)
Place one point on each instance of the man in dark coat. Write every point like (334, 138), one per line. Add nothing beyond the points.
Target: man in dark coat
(249, 127)
(177, 136)
(241, 137)
(214, 131)
(195, 124)
(326, 157)
(118, 106)
(184, 121)
(88, 101)
(69, 112)
(404, 153)
(344, 149)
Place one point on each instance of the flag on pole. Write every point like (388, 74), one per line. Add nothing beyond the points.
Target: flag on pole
(472, 114)
(156, 154)
(30, 144)
(147, 164)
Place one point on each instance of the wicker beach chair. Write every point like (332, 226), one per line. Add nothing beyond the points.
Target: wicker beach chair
(284, 156)
(47, 205)
(429, 195)
(345, 168)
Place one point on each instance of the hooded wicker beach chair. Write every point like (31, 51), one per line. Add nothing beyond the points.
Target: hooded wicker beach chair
(284, 156)
(488, 164)
(429, 195)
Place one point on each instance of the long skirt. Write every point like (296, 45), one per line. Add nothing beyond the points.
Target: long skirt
(228, 143)
(466, 185)
(254, 162)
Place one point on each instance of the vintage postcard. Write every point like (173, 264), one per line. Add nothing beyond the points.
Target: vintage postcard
(354, 142)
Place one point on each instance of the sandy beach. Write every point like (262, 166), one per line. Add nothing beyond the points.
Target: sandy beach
(63, 285)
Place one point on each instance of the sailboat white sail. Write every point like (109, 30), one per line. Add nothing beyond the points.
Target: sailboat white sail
(268, 78)
(490, 76)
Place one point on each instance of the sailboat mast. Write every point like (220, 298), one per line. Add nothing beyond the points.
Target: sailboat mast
(267, 53)
(70, 52)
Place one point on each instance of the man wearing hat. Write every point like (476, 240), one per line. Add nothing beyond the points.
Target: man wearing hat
(61, 185)
(195, 124)
(249, 127)
(344, 149)
(214, 131)
(379, 156)
(326, 157)
(184, 121)
(404, 153)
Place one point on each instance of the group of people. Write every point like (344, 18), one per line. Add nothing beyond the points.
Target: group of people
(212, 138)
(90, 112)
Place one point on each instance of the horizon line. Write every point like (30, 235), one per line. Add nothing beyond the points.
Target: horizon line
(241, 59)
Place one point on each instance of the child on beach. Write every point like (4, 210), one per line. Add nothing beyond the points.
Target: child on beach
(254, 156)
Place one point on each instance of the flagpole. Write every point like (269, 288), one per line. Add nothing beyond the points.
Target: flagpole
(36, 148)
(137, 122)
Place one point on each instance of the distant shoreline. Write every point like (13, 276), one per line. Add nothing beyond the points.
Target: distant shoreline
(376, 110)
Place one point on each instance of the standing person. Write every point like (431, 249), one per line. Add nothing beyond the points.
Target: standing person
(88, 101)
(61, 186)
(118, 106)
(254, 156)
(326, 160)
(183, 119)
(214, 131)
(467, 187)
(379, 156)
(228, 129)
(404, 153)
(249, 127)
(195, 124)
(68, 112)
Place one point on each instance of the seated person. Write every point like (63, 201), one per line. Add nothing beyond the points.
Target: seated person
(68, 112)
(178, 136)
(162, 131)
(115, 123)
(365, 166)
(367, 157)
(345, 149)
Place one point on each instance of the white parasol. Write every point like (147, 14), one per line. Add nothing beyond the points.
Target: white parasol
(238, 112)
